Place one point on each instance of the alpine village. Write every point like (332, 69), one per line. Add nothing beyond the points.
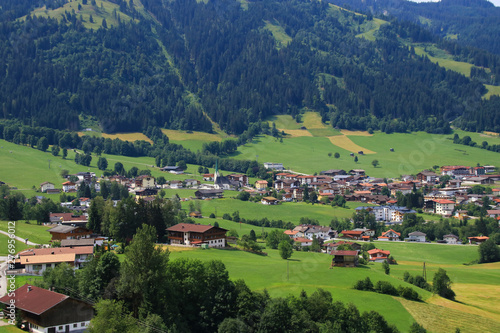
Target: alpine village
(249, 166)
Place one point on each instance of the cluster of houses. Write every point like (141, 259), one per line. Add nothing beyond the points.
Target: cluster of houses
(355, 185)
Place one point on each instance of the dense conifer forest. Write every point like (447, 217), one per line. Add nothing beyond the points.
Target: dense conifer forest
(183, 64)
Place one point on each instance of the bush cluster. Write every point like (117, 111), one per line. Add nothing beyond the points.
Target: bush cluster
(385, 287)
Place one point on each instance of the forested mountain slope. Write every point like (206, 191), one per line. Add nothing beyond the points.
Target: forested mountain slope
(180, 64)
(470, 22)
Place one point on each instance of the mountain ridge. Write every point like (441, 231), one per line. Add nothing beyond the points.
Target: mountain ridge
(193, 64)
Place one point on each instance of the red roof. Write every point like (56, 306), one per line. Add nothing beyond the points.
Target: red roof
(36, 300)
(342, 242)
(479, 238)
(352, 232)
(375, 251)
(302, 240)
(443, 201)
(344, 253)
(397, 233)
(186, 227)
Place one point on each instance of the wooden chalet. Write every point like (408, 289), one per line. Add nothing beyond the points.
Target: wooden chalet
(390, 235)
(61, 232)
(353, 234)
(477, 239)
(378, 255)
(269, 201)
(49, 312)
(196, 235)
(209, 194)
(344, 258)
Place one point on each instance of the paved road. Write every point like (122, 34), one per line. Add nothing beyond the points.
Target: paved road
(3, 278)
(18, 238)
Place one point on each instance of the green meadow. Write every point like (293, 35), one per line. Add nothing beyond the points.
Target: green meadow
(103, 10)
(4, 241)
(309, 271)
(413, 152)
(240, 228)
(35, 233)
(278, 33)
(287, 211)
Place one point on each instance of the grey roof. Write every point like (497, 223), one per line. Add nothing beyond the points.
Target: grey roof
(450, 236)
(62, 228)
(77, 242)
(417, 233)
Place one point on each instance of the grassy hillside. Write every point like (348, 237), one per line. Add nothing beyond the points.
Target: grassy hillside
(103, 10)
(308, 271)
(25, 167)
(287, 211)
(278, 33)
(35, 233)
(412, 152)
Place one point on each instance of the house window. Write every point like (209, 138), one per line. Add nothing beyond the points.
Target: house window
(75, 325)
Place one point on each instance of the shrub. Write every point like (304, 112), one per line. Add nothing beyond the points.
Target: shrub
(384, 287)
(408, 293)
(226, 216)
(212, 216)
(359, 285)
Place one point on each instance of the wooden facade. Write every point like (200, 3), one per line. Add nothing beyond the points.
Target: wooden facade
(195, 234)
(344, 258)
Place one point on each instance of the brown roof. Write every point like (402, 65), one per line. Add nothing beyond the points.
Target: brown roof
(46, 259)
(344, 253)
(186, 227)
(36, 300)
(58, 250)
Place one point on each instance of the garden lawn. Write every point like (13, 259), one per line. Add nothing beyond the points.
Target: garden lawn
(35, 233)
(21, 280)
(10, 329)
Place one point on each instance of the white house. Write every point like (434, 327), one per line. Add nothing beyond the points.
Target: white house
(451, 239)
(416, 236)
(443, 206)
(68, 186)
(46, 186)
(390, 235)
(303, 241)
(274, 166)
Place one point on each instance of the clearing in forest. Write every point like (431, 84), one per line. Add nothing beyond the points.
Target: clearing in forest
(131, 137)
(344, 142)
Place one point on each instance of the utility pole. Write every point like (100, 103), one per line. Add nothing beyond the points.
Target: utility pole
(425, 273)
(49, 163)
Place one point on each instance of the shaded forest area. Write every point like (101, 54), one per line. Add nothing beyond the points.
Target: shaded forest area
(227, 66)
